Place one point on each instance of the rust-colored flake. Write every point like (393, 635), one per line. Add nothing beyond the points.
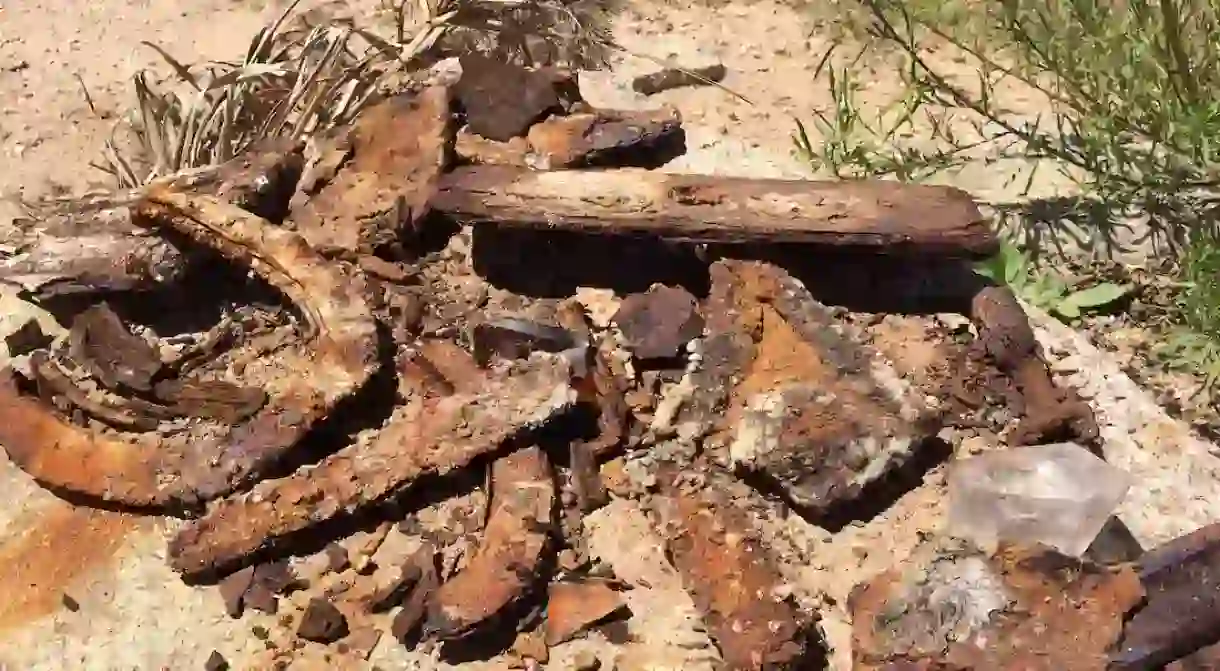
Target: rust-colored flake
(130, 414)
(398, 150)
(502, 99)
(605, 388)
(426, 436)
(1207, 659)
(672, 78)
(953, 608)
(735, 584)
(220, 400)
(475, 149)
(339, 332)
(506, 564)
(573, 606)
(660, 322)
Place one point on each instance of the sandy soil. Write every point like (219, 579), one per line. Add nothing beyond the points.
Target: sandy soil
(125, 609)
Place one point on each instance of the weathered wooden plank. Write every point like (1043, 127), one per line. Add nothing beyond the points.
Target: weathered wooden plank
(891, 216)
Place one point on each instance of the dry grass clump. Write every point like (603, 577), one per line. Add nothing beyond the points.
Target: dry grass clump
(301, 77)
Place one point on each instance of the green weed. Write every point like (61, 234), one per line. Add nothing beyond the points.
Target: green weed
(1131, 119)
(1045, 288)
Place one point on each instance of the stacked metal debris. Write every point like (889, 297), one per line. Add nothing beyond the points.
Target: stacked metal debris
(389, 374)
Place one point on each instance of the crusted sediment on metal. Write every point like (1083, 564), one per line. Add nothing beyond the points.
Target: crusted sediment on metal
(339, 337)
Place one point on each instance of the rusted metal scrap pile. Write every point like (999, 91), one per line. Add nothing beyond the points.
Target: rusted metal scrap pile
(363, 369)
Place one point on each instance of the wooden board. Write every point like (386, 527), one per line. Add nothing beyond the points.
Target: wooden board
(889, 216)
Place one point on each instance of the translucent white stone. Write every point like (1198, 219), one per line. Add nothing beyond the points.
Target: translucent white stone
(1058, 495)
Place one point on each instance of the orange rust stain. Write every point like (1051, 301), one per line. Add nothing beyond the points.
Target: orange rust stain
(782, 357)
(909, 346)
(59, 544)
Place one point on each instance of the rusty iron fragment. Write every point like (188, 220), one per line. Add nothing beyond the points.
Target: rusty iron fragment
(1207, 659)
(324, 155)
(605, 387)
(471, 148)
(734, 582)
(338, 331)
(407, 623)
(1051, 414)
(261, 180)
(515, 338)
(1182, 611)
(660, 322)
(27, 338)
(437, 368)
(951, 607)
(506, 564)
(810, 409)
(83, 247)
(90, 245)
(597, 138)
(220, 400)
(429, 435)
(607, 138)
(119, 359)
(501, 100)
(383, 184)
(887, 216)
(672, 78)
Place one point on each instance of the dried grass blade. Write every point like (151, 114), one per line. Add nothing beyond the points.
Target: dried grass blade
(304, 84)
(248, 72)
(388, 49)
(210, 132)
(184, 73)
(120, 167)
(307, 119)
(151, 122)
(267, 35)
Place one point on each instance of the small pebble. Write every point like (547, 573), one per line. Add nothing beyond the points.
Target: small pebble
(216, 662)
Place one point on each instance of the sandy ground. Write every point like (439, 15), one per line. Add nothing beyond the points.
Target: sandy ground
(125, 609)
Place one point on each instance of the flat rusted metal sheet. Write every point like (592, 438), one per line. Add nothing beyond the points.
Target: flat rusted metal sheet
(808, 407)
(398, 149)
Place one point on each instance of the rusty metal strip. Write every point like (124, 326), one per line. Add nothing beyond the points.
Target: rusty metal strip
(427, 436)
(734, 582)
(506, 563)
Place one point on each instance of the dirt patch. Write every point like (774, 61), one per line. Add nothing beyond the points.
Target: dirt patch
(61, 544)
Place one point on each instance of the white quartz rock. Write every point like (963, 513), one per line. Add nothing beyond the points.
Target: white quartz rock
(1059, 495)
